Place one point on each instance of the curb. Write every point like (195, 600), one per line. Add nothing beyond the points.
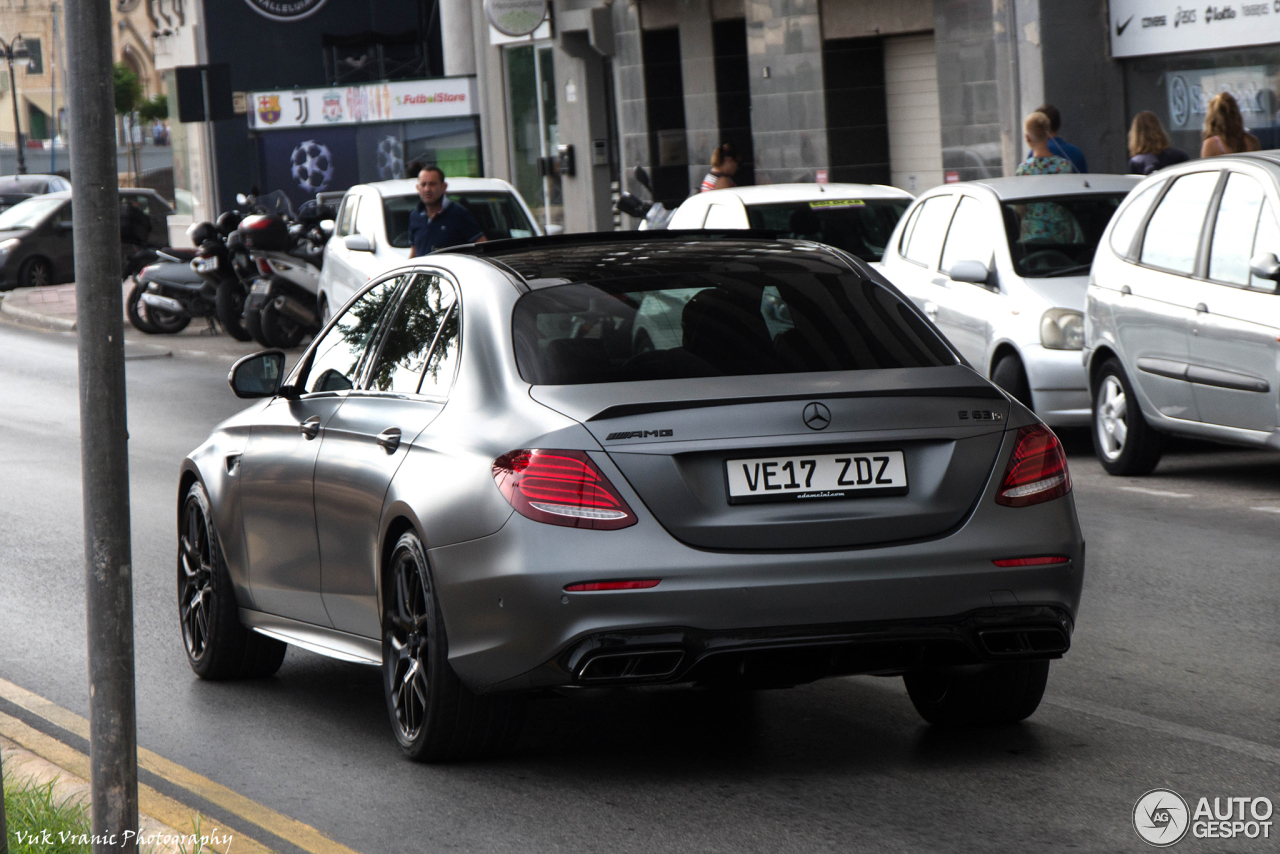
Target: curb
(26, 317)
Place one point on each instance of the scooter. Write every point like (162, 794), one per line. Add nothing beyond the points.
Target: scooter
(281, 307)
(656, 214)
(215, 263)
(162, 276)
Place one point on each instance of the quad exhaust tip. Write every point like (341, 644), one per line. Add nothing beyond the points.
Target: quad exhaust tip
(1024, 642)
(654, 664)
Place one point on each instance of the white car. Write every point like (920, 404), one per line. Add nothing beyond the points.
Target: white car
(857, 218)
(1001, 266)
(371, 230)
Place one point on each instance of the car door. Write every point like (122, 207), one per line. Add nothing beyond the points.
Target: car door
(1154, 317)
(1233, 343)
(57, 244)
(368, 439)
(279, 460)
(965, 309)
(342, 278)
(921, 247)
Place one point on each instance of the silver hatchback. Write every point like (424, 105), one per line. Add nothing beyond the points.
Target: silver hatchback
(1183, 316)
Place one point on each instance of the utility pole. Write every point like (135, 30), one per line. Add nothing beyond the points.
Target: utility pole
(53, 97)
(104, 453)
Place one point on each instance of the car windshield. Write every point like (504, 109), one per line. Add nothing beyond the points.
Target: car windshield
(711, 324)
(29, 214)
(1056, 235)
(860, 227)
(23, 184)
(497, 213)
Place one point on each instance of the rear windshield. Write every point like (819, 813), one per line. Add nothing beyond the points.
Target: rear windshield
(30, 213)
(497, 214)
(1057, 235)
(712, 325)
(860, 227)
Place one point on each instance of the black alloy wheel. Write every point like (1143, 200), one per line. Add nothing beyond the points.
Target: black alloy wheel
(278, 330)
(167, 322)
(136, 311)
(218, 646)
(978, 694)
(434, 716)
(35, 273)
(229, 307)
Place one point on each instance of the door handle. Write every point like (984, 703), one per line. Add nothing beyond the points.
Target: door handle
(942, 283)
(1201, 308)
(1126, 291)
(389, 439)
(310, 428)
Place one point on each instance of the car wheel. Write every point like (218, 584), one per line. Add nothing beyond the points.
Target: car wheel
(978, 695)
(325, 314)
(1012, 377)
(35, 273)
(218, 646)
(229, 306)
(434, 716)
(278, 330)
(1123, 440)
(137, 311)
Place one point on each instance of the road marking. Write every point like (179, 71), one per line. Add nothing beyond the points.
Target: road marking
(1160, 492)
(289, 829)
(150, 802)
(1257, 750)
(1266, 509)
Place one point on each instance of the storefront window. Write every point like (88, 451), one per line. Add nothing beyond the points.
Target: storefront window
(1178, 88)
(535, 131)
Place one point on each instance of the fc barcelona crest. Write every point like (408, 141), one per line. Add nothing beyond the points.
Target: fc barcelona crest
(269, 108)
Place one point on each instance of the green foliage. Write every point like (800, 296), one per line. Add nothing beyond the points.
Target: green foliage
(155, 109)
(128, 89)
(39, 823)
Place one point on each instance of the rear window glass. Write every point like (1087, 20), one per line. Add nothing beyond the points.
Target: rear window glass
(497, 214)
(711, 325)
(1057, 235)
(860, 227)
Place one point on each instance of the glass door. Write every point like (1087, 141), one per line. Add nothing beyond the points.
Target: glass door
(535, 132)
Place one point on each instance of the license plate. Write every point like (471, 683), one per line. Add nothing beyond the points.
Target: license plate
(205, 265)
(816, 476)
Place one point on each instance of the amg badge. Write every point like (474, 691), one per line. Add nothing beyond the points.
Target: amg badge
(639, 434)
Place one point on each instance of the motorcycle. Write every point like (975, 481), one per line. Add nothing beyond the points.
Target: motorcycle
(156, 271)
(288, 250)
(223, 263)
(656, 214)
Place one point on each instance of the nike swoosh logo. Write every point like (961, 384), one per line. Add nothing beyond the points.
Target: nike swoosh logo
(1120, 28)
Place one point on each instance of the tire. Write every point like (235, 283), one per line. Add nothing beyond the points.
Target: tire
(137, 311)
(1122, 439)
(218, 646)
(167, 322)
(435, 718)
(229, 306)
(35, 273)
(1012, 377)
(324, 313)
(252, 321)
(279, 331)
(978, 695)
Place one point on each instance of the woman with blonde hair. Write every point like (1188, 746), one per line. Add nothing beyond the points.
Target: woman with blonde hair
(1224, 131)
(1149, 147)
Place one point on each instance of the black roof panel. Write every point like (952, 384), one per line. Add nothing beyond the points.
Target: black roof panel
(592, 257)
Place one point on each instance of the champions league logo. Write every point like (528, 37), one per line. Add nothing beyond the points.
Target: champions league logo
(285, 10)
(312, 166)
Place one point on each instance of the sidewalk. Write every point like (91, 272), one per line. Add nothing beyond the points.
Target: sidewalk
(53, 308)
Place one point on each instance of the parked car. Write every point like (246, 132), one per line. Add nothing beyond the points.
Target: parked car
(19, 188)
(472, 481)
(371, 234)
(1183, 314)
(857, 218)
(35, 236)
(1001, 266)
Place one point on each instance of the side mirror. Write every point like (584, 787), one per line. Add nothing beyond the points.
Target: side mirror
(1265, 265)
(631, 206)
(258, 375)
(974, 272)
(555, 229)
(358, 243)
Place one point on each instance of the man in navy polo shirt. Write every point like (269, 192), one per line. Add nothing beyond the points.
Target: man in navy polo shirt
(437, 222)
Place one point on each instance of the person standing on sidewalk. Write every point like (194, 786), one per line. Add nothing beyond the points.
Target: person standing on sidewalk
(437, 222)
(1045, 221)
(724, 165)
(1059, 146)
(1224, 131)
(1149, 147)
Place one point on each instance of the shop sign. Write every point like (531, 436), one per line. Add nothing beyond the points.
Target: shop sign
(1191, 91)
(516, 17)
(285, 10)
(1143, 27)
(403, 100)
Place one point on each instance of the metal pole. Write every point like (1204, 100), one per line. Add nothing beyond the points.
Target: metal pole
(53, 97)
(104, 454)
(17, 124)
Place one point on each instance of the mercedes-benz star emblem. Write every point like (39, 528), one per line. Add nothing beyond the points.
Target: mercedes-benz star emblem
(816, 416)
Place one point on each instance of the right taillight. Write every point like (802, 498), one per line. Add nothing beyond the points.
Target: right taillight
(561, 488)
(1037, 469)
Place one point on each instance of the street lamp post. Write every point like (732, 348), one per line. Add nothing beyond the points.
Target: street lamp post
(16, 49)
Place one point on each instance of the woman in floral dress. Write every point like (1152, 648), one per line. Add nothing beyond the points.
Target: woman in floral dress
(1044, 222)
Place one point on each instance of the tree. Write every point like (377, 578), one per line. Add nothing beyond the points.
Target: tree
(154, 110)
(128, 94)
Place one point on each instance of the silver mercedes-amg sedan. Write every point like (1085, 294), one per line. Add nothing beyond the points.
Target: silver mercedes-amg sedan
(478, 479)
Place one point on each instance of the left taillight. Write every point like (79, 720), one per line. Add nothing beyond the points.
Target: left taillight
(1037, 469)
(561, 488)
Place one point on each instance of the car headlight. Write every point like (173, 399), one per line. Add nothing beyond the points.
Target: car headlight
(9, 245)
(1062, 329)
